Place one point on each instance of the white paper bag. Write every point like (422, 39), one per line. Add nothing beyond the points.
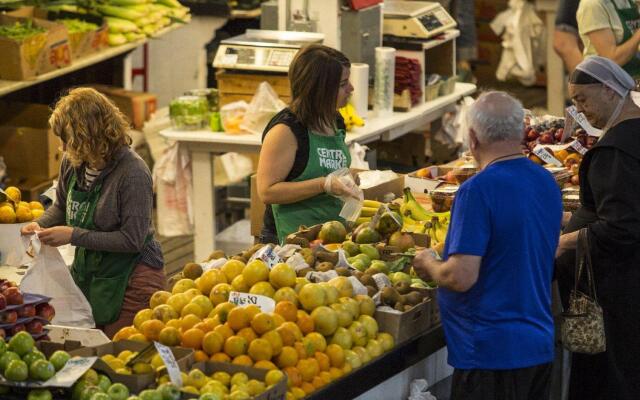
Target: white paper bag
(49, 276)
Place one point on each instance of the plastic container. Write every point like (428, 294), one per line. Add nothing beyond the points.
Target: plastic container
(448, 85)
(442, 198)
(189, 112)
(463, 173)
(210, 94)
(431, 92)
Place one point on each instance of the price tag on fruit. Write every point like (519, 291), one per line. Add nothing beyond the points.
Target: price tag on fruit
(577, 146)
(265, 303)
(546, 156)
(382, 281)
(267, 255)
(297, 262)
(71, 372)
(583, 122)
(213, 264)
(170, 362)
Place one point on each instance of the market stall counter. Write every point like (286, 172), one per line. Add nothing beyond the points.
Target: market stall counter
(202, 144)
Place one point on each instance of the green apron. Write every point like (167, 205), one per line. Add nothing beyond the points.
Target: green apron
(326, 154)
(630, 19)
(102, 276)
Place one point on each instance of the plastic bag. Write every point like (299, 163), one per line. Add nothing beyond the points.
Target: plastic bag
(264, 105)
(418, 390)
(50, 277)
(232, 115)
(174, 186)
(358, 152)
(351, 207)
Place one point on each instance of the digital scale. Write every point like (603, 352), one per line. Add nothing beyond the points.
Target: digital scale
(415, 19)
(263, 50)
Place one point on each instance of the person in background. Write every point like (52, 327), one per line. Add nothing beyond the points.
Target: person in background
(495, 278)
(566, 39)
(609, 28)
(104, 203)
(610, 212)
(303, 144)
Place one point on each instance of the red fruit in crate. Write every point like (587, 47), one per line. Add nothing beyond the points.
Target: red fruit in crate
(558, 134)
(46, 311)
(546, 138)
(34, 327)
(17, 328)
(27, 311)
(8, 317)
(13, 295)
(532, 134)
(3, 302)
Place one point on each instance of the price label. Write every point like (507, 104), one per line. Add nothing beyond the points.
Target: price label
(577, 146)
(318, 276)
(286, 251)
(265, 303)
(382, 281)
(170, 362)
(583, 122)
(546, 156)
(71, 372)
(213, 264)
(342, 260)
(358, 287)
(267, 255)
(297, 262)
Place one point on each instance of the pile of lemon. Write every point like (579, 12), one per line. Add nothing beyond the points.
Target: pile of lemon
(14, 210)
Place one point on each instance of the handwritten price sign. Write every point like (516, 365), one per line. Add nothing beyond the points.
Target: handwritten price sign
(170, 362)
(265, 303)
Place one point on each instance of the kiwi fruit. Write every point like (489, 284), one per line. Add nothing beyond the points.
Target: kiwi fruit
(367, 280)
(300, 241)
(399, 307)
(371, 291)
(303, 272)
(327, 256)
(343, 271)
(240, 258)
(402, 287)
(216, 255)
(358, 274)
(324, 266)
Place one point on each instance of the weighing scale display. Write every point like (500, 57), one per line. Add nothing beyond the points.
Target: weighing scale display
(280, 58)
(242, 56)
(431, 22)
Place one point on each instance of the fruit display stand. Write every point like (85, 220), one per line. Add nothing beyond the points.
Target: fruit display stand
(203, 144)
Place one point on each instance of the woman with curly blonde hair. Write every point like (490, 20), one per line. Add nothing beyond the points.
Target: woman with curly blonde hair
(104, 203)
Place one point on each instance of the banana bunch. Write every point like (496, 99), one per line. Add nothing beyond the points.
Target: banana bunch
(351, 117)
(418, 220)
(369, 209)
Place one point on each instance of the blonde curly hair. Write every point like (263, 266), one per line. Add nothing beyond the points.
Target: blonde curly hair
(91, 127)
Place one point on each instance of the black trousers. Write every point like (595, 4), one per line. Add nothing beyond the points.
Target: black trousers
(531, 383)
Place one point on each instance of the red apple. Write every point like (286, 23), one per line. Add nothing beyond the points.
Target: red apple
(8, 317)
(546, 138)
(17, 328)
(558, 135)
(46, 311)
(13, 296)
(532, 134)
(27, 311)
(3, 302)
(34, 327)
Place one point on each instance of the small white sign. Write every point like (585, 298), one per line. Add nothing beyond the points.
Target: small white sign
(358, 287)
(170, 362)
(266, 304)
(546, 156)
(382, 280)
(71, 372)
(319, 276)
(297, 262)
(583, 122)
(217, 264)
(267, 255)
(577, 146)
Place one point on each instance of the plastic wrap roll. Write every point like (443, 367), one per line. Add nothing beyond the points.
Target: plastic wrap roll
(384, 80)
(360, 81)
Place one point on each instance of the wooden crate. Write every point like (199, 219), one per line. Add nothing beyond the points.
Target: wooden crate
(234, 86)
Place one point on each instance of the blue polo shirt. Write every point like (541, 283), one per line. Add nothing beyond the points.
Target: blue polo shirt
(510, 215)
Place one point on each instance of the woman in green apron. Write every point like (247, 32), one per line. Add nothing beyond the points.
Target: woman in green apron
(104, 203)
(303, 144)
(609, 28)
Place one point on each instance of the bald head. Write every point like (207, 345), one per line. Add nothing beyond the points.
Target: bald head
(496, 117)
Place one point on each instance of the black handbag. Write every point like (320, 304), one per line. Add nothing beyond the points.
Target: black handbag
(583, 322)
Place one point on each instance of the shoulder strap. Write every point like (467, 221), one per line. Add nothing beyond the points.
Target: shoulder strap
(583, 259)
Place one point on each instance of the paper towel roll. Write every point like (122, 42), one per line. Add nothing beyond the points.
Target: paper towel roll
(360, 82)
(384, 81)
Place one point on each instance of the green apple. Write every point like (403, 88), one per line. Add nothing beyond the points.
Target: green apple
(16, 371)
(89, 391)
(3, 346)
(7, 357)
(21, 343)
(32, 356)
(59, 359)
(169, 391)
(150, 394)
(41, 370)
(104, 382)
(39, 394)
(118, 391)
(210, 396)
(100, 396)
(78, 388)
(91, 376)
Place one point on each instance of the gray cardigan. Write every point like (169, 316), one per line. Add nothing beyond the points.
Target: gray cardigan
(123, 213)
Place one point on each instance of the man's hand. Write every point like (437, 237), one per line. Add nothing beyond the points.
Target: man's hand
(30, 229)
(422, 264)
(56, 236)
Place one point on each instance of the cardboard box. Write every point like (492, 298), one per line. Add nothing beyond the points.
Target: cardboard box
(380, 191)
(30, 149)
(137, 106)
(277, 392)
(405, 325)
(135, 383)
(38, 54)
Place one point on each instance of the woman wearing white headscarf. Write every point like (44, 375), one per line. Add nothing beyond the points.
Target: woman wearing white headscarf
(610, 213)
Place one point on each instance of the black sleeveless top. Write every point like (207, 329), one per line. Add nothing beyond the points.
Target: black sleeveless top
(300, 131)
